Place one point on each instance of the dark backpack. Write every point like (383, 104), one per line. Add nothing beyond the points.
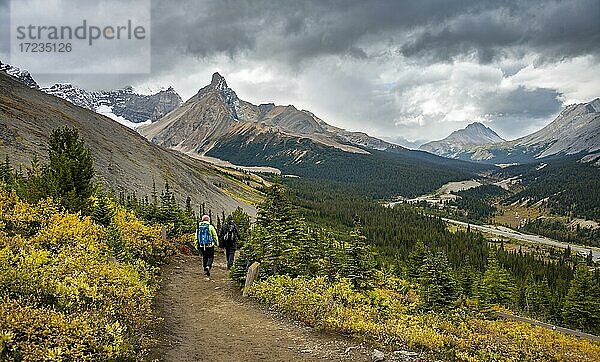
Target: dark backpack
(203, 235)
(230, 236)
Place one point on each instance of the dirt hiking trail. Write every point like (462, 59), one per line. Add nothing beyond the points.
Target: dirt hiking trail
(210, 321)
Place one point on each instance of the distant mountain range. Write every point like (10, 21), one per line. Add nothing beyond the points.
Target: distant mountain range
(475, 134)
(217, 123)
(216, 112)
(575, 132)
(123, 105)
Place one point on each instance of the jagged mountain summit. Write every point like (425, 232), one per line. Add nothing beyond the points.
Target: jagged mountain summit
(22, 75)
(475, 134)
(216, 112)
(122, 105)
(576, 131)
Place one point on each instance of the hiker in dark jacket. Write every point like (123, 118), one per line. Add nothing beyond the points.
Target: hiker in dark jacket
(229, 236)
(206, 239)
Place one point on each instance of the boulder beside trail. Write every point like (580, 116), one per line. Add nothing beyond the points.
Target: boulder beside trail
(251, 277)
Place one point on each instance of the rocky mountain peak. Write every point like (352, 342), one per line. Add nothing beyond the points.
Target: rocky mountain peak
(219, 86)
(475, 134)
(218, 82)
(593, 106)
(476, 125)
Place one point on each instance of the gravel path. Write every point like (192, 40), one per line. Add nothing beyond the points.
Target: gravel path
(209, 320)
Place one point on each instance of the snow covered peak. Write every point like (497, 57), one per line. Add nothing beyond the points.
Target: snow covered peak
(123, 105)
(22, 75)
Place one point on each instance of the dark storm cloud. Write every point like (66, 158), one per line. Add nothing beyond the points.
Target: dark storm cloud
(293, 31)
(537, 103)
(554, 30)
(521, 109)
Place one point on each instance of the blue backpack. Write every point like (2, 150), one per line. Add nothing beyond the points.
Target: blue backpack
(203, 235)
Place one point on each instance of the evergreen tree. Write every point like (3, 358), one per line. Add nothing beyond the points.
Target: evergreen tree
(71, 169)
(102, 214)
(242, 221)
(496, 286)
(6, 172)
(437, 286)
(416, 260)
(581, 308)
(361, 259)
(188, 206)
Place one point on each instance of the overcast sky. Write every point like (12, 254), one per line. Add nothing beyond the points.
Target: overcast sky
(396, 69)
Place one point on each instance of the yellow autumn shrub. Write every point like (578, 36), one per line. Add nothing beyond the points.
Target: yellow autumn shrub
(386, 317)
(64, 293)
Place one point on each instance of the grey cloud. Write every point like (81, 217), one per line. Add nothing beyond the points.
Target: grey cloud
(4, 27)
(521, 110)
(294, 31)
(553, 30)
(536, 103)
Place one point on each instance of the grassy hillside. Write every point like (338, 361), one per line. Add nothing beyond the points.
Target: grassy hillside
(125, 161)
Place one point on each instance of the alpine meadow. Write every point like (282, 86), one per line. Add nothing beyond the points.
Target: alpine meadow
(300, 180)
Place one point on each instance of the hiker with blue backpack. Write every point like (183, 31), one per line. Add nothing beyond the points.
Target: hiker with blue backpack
(206, 236)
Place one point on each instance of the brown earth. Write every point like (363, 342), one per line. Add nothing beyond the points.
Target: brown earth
(209, 320)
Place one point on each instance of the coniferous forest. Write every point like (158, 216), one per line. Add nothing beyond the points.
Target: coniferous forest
(341, 262)
(538, 284)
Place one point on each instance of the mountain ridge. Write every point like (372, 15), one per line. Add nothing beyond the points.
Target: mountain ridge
(575, 131)
(215, 110)
(122, 105)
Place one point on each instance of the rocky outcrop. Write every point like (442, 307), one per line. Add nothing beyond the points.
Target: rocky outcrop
(22, 76)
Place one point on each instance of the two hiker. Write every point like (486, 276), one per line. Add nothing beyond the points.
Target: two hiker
(207, 238)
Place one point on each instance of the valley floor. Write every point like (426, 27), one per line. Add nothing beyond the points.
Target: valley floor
(509, 233)
(211, 321)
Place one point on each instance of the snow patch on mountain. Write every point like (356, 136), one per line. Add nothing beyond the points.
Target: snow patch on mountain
(22, 75)
(108, 112)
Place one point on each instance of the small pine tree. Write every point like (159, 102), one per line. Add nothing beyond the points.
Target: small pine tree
(437, 286)
(102, 214)
(361, 264)
(71, 168)
(6, 172)
(416, 259)
(242, 221)
(496, 286)
(188, 206)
